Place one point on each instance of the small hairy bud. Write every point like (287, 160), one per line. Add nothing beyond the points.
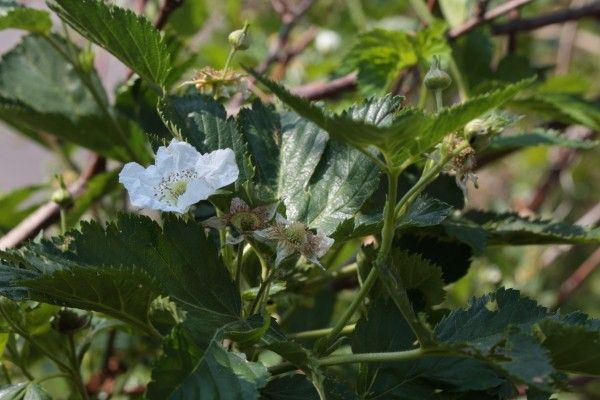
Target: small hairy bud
(240, 39)
(61, 196)
(436, 78)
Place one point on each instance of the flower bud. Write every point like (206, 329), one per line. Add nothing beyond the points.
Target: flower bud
(240, 39)
(67, 321)
(437, 78)
(62, 196)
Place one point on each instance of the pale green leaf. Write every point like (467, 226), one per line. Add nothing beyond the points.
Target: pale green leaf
(14, 16)
(538, 137)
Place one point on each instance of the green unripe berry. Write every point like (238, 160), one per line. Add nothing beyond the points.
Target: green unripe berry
(67, 321)
(436, 78)
(240, 39)
(62, 197)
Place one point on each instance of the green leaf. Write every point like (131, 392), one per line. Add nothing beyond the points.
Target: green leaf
(120, 269)
(565, 107)
(12, 15)
(500, 323)
(455, 11)
(409, 134)
(538, 137)
(23, 391)
(130, 38)
(34, 74)
(12, 208)
(261, 128)
(379, 55)
(383, 329)
(425, 211)
(420, 275)
(187, 371)
(474, 53)
(511, 229)
(574, 348)
(334, 190)
(203, 122)
(98, 187)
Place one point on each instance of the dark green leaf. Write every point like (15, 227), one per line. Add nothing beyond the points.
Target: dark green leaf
(130, 38)
(424, 211)
(261, 127)
(289, 387)
(34, 74)
(509, 228)
(418, 274)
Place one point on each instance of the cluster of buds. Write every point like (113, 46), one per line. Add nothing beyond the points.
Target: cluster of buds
(257, 223)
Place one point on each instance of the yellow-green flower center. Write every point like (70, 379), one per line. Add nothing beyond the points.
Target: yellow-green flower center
(296, 233)
(245, 221)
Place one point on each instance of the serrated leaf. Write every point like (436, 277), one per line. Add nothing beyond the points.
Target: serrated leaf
(538, 137)
(383, 329)
(340, 183)
(133, 259)
(424, 211)
(511, 229)
(34, 74)
(189, 372)
(203, 122)
(501, 323)
(12, 15)
(420, 275)
(411, 133)
(130, 38)
(261, 128)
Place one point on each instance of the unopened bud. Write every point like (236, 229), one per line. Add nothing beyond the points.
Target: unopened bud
(62, 196)
(240, 39)
(436, 78)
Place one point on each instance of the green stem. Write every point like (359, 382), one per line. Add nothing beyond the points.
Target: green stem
(263, 292)
(63, 220)
(76, 368)
(439, 103)
(387, 236)
(426, 16)
(18, 360)
(238, 268)
(229, 59)
(317, 333)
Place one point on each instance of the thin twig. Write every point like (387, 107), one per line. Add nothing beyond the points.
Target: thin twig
(573, 282)
(165, 12)
(487, 16)
(323, 90)
(557, 17)
(49, 213)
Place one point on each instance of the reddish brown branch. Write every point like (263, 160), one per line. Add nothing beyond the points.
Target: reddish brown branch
(486, 16)
(47, 214)
(527, 24)
(578, 277)
(323, 90)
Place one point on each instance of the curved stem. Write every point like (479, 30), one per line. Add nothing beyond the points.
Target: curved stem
(316, 333)
(76, 368)
(238, 267)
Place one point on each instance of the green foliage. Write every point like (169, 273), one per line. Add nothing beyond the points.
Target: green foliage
(130, 38)
(14, 16)
(379, 55)
(23, 391)
(538, 137)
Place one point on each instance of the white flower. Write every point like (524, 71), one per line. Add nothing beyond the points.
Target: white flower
(295, 237)
(327, 41)
(180, 177)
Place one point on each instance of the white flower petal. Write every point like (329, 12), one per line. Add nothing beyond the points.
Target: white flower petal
(180, 177)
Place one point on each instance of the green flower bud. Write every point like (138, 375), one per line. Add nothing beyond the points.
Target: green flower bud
(62, 196)
(240, 39)
(437, 78)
